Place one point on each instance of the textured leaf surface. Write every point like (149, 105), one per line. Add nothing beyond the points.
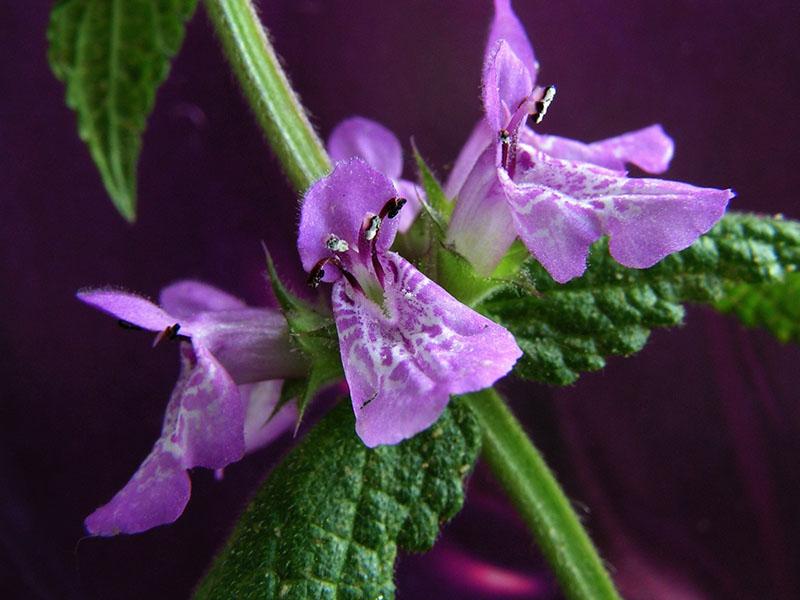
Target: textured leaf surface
(774, 306)
(328, 521)
(112, 55)
(568, 329)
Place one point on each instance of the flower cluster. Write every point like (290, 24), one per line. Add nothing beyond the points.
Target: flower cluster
(406, 344)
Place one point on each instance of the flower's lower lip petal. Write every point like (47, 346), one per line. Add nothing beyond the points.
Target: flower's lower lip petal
(561, 207)
(210, 421)
(650, 149)
(644, 229)
(556, 231)
(132, 308)
(403, 362)
(156, 495)
(184, 299)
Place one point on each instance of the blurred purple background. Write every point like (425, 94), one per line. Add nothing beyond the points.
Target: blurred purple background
(685, 457)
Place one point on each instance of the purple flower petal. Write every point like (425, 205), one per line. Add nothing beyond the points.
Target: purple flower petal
(203, 426)
(252, 344)
(403, 361)
(507, 84)
(184, 299)
(506, 26)
(210, 423)
(560, 207)
(478, 141)
(481, 227)
(650, 149)
(369, 140)
(336, 205)
(260, 400)
(129, 307)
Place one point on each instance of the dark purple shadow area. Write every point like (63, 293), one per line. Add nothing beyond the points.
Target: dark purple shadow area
(685, 455)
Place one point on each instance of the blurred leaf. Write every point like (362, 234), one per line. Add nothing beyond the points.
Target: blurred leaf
(773, 306)
(112, 55)
(565, 330)
(328, 521)
(312, 333)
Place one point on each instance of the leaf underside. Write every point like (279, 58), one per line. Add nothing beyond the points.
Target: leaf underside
(328, 522)
(112, 55)
(565, 330)
(775, 306)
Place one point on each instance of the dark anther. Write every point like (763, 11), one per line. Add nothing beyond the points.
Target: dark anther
(317, 273)
(169, 333)
(392, 208)
(505, 141)
(128, 325)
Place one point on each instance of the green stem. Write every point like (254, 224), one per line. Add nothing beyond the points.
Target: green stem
(535, 492)
(511, 455)
(268, 91)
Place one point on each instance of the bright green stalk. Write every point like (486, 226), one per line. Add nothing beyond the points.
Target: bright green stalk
(510, 454)
(530, 484)
(268, 91)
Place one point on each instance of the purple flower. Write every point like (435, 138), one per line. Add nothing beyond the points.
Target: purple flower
(233, 358)
(560, 195)
(380, 148)
(405, 343)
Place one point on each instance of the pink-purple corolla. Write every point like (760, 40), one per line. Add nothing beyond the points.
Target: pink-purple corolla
(233, 358)
(558, 195)
(405, 343)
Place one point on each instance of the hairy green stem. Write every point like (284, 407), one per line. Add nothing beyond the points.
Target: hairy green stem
(511, 455)
(530, 484)
(268, 91)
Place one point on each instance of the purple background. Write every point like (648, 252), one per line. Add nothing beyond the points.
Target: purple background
(686, 455)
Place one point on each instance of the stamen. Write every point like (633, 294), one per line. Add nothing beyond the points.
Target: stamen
(541, 106)
(169, 333)
(336, 244)
(317, 272)
(505, 145)
(373, 226)
(392, 208)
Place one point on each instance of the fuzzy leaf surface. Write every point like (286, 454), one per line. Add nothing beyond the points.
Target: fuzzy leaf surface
(565, 330)
(112, 55)
(327, 523)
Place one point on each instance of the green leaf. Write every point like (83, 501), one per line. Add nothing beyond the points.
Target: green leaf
(112, 55)
(327, 523)
(564, 330)
(774, 306)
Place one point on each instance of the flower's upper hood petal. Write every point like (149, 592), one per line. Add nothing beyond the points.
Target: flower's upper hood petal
(506, 26)
(506, 85)
(481, 228)
(650, 149)
(260, 400)
(560, 207)
(337, 204)
(403, 363)
(252, 344)
(129, 307)
(186, 298)
(369, 140)
(203, 426)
